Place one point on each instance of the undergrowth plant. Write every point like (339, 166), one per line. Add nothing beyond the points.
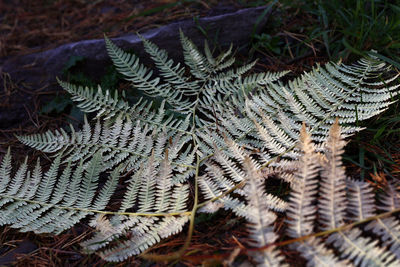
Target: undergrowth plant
(334, 29)
(138, 173)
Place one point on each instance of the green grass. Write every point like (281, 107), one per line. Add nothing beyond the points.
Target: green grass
(343, 29)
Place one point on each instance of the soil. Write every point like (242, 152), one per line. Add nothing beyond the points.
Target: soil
(32, 26)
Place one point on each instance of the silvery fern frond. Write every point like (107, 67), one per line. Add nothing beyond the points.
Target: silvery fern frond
(333, 202)
(141, 77)
(110, 107)
(172, 73)
(33, 201)
(362, 206)
(199, 65)
(332, 208)
(121, 143)
(363, 251)
(150, 191)
(227, 169)
(333, 197)
(360, 198)
(274, 112)
(230, 129)
(301, 211)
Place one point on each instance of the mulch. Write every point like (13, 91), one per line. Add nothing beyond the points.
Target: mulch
(30, 26)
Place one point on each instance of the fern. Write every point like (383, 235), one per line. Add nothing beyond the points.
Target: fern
(335, 206)
(234, 127)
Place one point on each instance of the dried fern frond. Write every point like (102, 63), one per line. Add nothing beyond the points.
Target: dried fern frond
(302, 212)
(388, 229)
(260, 217)
(320, 187)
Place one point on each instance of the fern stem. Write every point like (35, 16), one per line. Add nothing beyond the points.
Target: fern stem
(137, 154)
(131, 214)
(245, 251)
(330, 231)
(162, 125)
(242, 183)
(127, 109)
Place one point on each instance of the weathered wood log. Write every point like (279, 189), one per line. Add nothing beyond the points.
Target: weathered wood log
(34, 74)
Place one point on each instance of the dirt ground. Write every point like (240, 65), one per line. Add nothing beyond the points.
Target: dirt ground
(31, 26)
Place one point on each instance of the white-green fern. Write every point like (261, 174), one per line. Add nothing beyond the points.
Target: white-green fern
(234, 125)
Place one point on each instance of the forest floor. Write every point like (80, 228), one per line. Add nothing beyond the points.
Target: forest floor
(31, 26)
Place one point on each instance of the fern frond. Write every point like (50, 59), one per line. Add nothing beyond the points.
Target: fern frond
(224, 172)
(388, 229)
(171, 72)
(269, 257)
(141, 77)
(45, 206)
(198, 64)
(316, 254)
(89, 100)
(238, 131)
(108, 108)
(164, 186)
(259, 216)
(301, 211)
(5, 171)
(121, 143)
(362, 205)
(275, 111)
(332, 203)
(231, 74)
(390, 200)
(363, 251)
(147, 186)
(142, 240)
(145, 231)
(258, 213)
(129, 65)
(35, 203)
(250, 82)
(101, 201)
